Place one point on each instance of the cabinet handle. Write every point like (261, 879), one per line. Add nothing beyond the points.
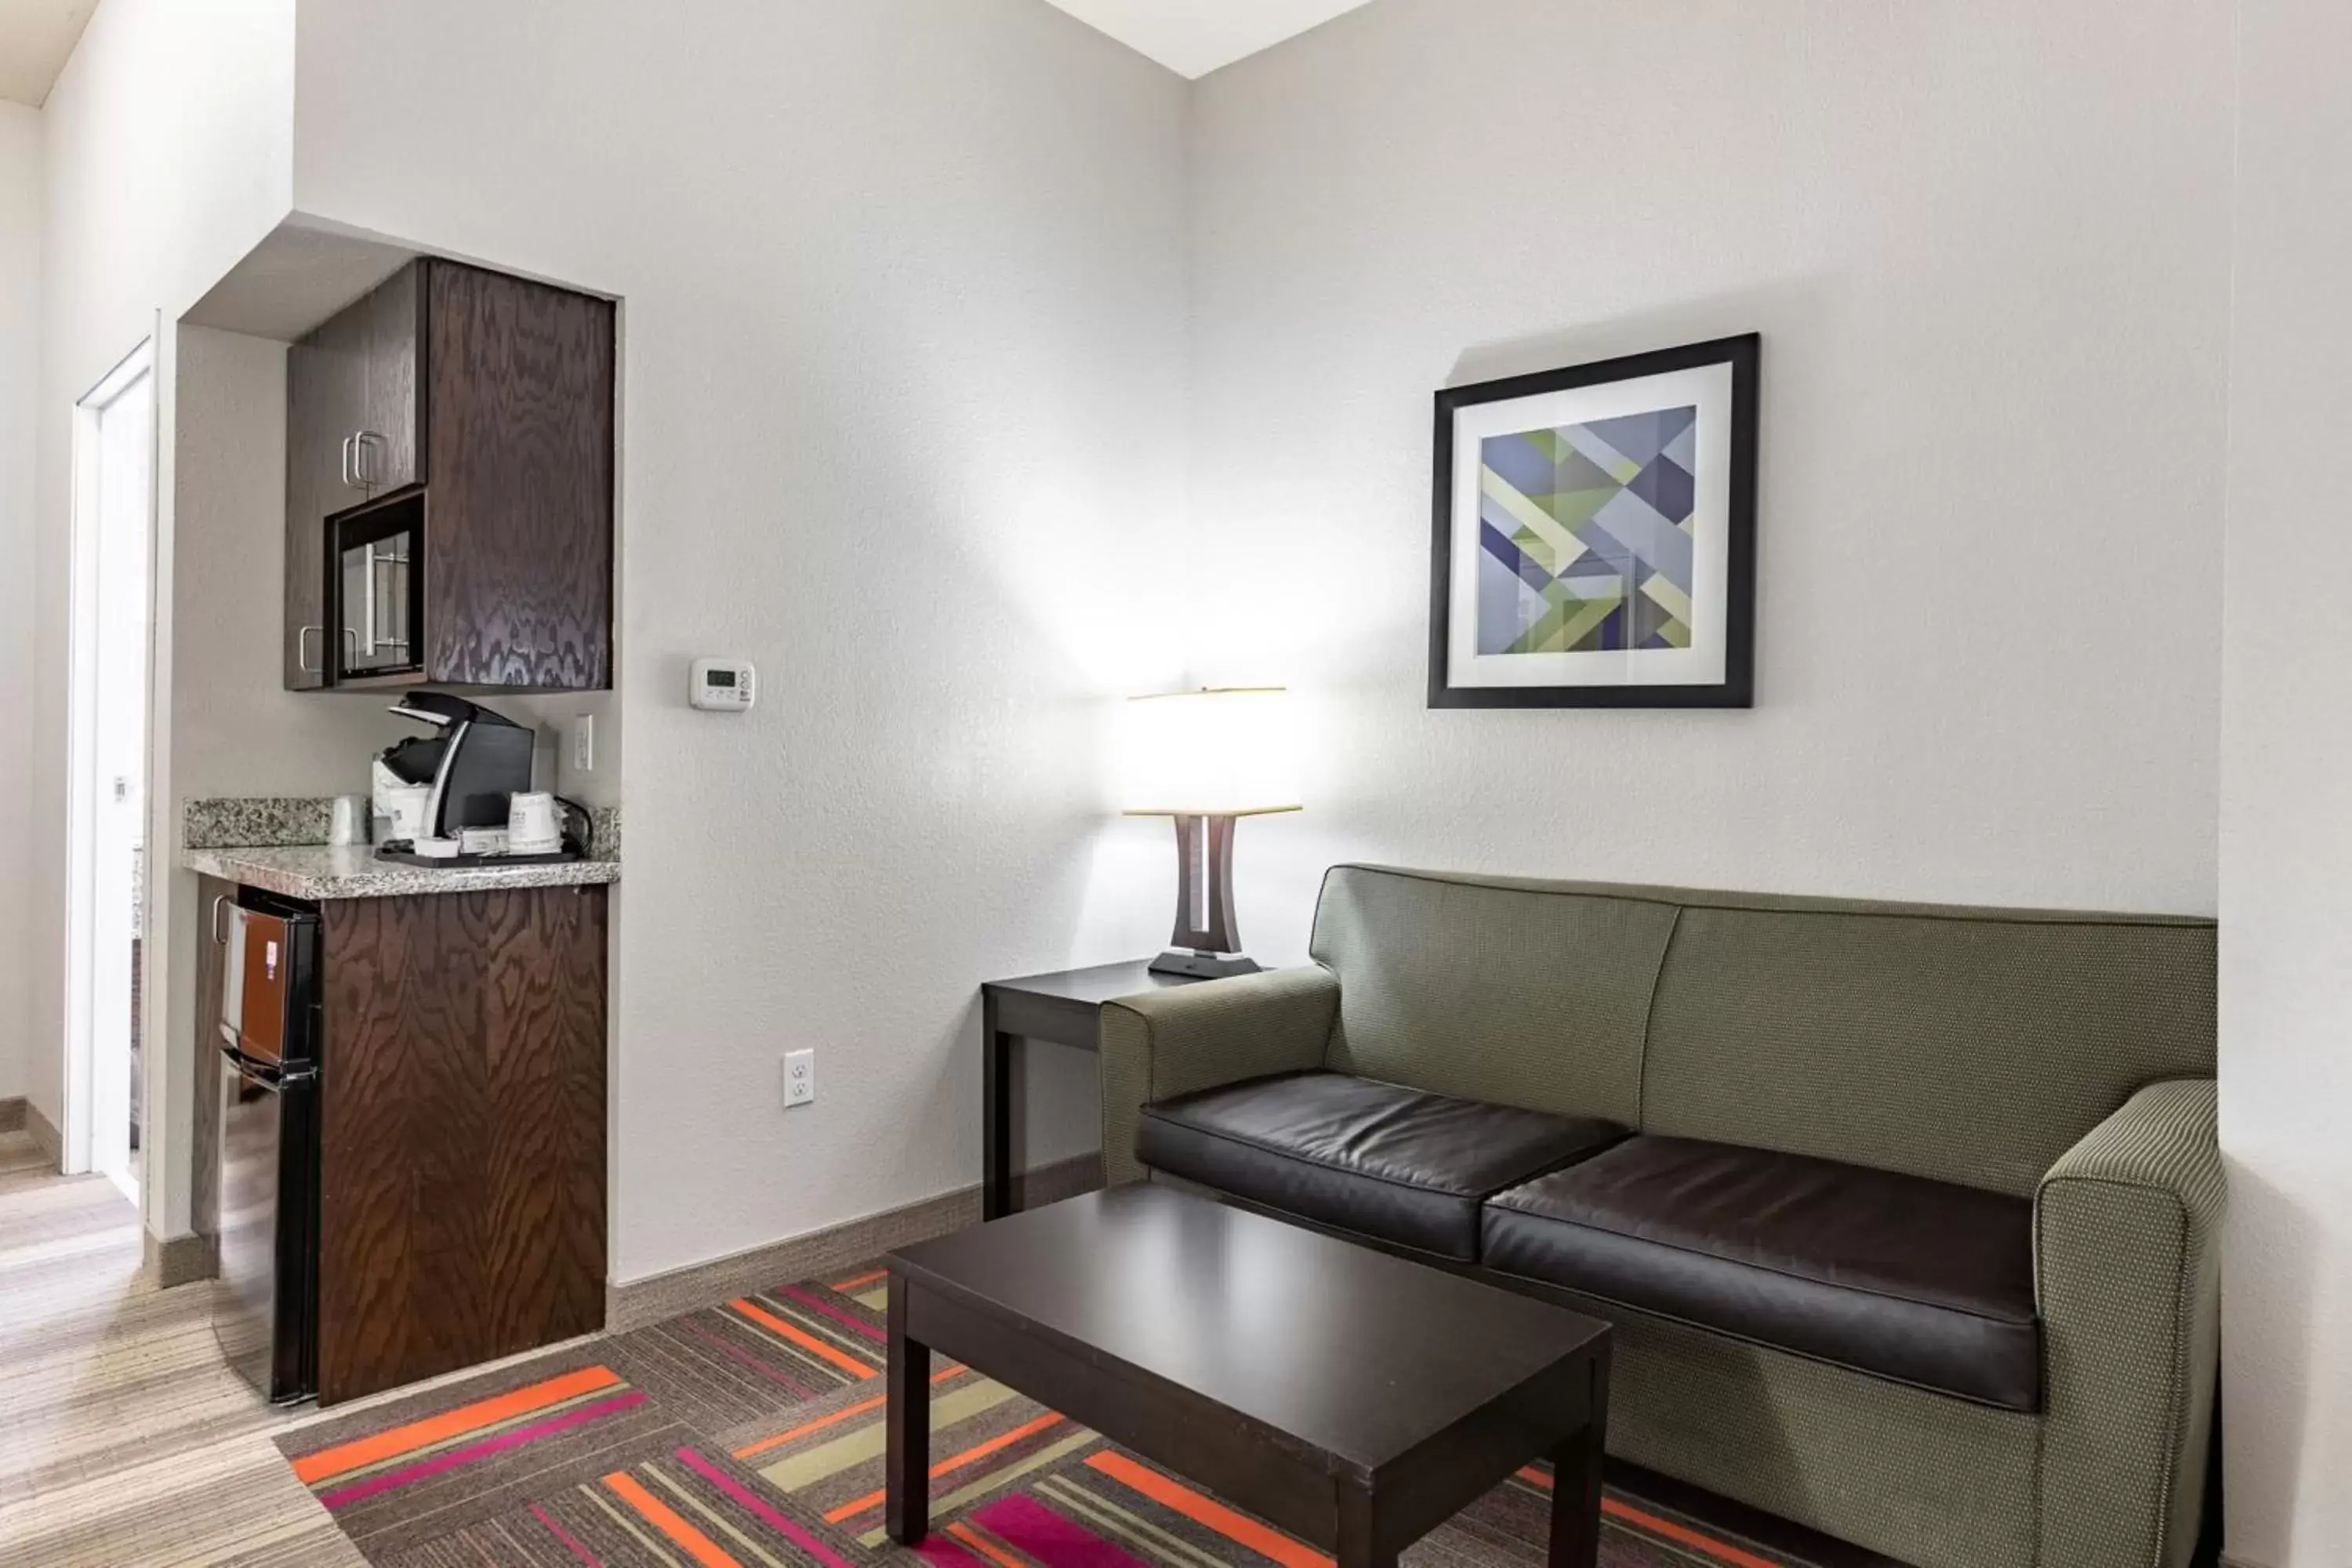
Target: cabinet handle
(350, 483)
(301, 649)
(218, 939)
(362, 445)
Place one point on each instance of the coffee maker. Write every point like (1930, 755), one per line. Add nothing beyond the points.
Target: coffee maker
(470, 764)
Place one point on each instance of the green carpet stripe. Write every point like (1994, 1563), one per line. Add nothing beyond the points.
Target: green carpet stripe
(805, 1469)
(941, 1507)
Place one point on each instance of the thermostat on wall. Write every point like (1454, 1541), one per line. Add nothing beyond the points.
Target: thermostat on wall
(724, 685)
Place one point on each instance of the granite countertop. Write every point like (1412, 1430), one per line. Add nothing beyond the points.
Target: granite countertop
(352, 872)
(273, 843)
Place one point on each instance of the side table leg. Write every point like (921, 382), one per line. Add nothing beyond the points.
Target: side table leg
(996, 1088)
(1576, 1483)
(907, 1462)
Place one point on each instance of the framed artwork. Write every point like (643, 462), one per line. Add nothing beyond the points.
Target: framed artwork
(1595, 535)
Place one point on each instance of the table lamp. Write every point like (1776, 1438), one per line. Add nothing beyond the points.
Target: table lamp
(1206, 758)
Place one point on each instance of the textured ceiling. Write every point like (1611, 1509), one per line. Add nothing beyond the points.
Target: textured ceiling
(35, 37)
(1193, 37)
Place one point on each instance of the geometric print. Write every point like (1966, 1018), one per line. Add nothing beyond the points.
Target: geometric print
(750, 1434)
(1584, 535)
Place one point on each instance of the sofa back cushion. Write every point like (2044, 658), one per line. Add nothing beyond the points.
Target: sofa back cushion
(1527, 994)
(1964, 1045)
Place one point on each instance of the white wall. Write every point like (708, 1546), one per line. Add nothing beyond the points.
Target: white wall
(20, 352)
(2286, 836)
(1985, 243)
(903, 422)
(168, 154)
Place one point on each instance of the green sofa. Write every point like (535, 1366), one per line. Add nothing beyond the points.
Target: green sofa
(2055, 1067)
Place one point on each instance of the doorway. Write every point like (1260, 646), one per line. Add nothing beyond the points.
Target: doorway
(113, 532)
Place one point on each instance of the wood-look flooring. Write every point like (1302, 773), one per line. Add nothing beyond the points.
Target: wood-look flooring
(123, 1437)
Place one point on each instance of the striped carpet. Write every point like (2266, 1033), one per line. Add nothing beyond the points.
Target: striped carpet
(750, 1436)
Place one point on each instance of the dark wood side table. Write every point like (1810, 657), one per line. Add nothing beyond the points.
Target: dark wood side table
(1064, 1008)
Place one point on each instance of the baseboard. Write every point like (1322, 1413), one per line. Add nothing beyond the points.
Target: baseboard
(180, 1261)
(12, 1114)
(44, 1134)
(649, 1300)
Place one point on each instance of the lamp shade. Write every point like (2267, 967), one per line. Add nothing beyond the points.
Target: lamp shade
(1232, 752)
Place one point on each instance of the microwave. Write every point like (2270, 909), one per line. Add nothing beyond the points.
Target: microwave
(375, 587)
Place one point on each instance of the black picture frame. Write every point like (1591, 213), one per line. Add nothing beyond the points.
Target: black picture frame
(1738, 687)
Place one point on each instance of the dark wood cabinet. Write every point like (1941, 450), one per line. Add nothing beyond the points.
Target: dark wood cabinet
(462, 1198)
(326, 406)
(491, 398)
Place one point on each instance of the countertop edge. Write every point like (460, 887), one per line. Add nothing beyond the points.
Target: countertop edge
(261, 867)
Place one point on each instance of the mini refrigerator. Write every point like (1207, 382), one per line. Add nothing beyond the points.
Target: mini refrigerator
(266, 1302)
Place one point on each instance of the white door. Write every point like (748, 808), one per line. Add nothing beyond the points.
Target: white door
(114, 439)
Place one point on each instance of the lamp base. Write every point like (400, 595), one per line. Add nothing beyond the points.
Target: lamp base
(1198, 965)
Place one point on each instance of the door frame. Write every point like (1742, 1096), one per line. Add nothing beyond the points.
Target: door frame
(77, 1083)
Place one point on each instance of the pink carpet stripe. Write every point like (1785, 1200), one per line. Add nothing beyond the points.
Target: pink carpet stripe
(563, 1535)
(772, 1373)
(360, 1491)
(766, 1515)
(819, 1304)
(1029, 1526)
(940, 1548)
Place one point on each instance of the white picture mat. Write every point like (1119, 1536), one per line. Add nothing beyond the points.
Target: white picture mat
(1706, 388)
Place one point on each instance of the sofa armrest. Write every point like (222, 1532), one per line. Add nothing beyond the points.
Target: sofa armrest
(2127, 1259)
(1186, 1037)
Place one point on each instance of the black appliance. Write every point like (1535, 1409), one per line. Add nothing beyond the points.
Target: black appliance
(375, 593)
(475, 761)
(266, 1300)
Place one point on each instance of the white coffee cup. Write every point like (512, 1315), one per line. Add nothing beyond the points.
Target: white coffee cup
(532, 827)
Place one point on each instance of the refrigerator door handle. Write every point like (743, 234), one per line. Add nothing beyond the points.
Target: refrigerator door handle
(276, 1080)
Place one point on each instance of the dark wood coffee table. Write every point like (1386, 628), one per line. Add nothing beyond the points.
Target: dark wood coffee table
(1354, 1399)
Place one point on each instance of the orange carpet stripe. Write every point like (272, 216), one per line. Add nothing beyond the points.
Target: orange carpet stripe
(1721, 1551)
(1266, 1542)
(971, 1455)
(361, 1452)
(664, 1518)
(853, 1283)
(986, 1548)
(821, 1422)
(806, 1340)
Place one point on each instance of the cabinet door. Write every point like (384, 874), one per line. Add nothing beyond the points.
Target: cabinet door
(462, 1201)
(518, 536)
(325, 402)
(391, 453)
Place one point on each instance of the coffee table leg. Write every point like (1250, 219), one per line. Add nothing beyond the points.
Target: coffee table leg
(907, 1470)
(1576, 1471)
(1360, 1545)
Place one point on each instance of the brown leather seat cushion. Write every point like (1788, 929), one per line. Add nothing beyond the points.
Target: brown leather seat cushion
(1921, 1281)
(1397, 1164)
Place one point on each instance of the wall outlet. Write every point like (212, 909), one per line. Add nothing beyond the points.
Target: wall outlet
(800, 1078)
(584, 743)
